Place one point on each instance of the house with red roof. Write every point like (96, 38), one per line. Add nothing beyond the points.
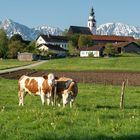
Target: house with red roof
(97, 50)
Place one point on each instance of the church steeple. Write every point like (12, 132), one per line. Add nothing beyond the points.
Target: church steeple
(91, 21)
(92, 12)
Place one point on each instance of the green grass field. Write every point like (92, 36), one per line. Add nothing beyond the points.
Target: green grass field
(11, 63)
(129, 63)
(95, 115)
(122, 63)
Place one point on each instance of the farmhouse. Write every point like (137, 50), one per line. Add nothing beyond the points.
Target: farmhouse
(97, 50)
(61, 41)
(129, 47)
(54, 50)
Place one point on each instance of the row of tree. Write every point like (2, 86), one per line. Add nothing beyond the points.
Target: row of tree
(77, 41)
(9, 48)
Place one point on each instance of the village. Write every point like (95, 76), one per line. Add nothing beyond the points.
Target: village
(76, 41)
(83, 42)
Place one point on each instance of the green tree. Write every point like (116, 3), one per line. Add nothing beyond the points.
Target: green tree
(72, 49)
(14, 48)
(31, 47)
(85, 40)
(109, 50)
(3, 44)
(74, 38)
(16, 44)
(16, 37)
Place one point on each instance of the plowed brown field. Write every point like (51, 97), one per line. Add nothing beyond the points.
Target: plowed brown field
(102, 77)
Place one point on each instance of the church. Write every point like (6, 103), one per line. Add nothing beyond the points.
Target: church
(120, 43)
(91, 30)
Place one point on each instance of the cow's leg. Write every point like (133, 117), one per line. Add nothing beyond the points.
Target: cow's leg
(49, 99)
(52, 100)
(64, 99)
(71, 104)
(58, 101)
(21, 97)
(42, 98)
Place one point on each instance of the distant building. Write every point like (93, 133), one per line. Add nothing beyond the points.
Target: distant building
(94, 51)
(79, 30)
(129, 47)
(103, 39)
(91, 24)
(97, 50)
(26, 56)
(89, 30)
(61, 41)
(55, 50)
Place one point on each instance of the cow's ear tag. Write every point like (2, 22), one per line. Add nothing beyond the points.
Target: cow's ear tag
(45, 76)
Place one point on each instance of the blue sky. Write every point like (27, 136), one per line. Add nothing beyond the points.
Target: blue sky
(63, 13)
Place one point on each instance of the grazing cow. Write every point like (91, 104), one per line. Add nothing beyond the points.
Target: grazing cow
(41, 86)
(66, 89)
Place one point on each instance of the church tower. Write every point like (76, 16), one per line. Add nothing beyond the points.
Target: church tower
(92, 22)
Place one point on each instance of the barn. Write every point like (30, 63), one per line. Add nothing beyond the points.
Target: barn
(94, 51)
(128, 47)
(26, 56)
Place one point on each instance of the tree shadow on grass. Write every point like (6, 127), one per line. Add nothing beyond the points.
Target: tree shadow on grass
(116, 107)
(106, 107)
(98, 137)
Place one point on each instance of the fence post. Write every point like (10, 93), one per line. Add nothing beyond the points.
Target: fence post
(122, 95)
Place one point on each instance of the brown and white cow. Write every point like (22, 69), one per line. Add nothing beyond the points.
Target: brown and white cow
(41, 86)
(66, 89)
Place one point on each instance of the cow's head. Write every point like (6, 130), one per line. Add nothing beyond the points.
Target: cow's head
(70, 93)
(51, 79)
(67, 97)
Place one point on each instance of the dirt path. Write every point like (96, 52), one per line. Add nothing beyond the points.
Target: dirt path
(104, 77)
(22, 67)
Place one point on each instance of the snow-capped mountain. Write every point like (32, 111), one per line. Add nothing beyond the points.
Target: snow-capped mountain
(119, 29)
(27, 33)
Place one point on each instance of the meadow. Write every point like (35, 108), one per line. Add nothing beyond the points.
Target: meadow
(95, 115)
(12, 63)
(125, 63)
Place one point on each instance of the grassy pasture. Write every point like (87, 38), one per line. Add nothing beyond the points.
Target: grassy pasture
(128, 63)
(95, 115)
(10, 63)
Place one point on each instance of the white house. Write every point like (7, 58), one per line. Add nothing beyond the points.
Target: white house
(56, 50)
(53, 40)
(95, 51)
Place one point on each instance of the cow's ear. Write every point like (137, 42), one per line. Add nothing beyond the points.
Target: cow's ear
(45, 76)
(56, 78)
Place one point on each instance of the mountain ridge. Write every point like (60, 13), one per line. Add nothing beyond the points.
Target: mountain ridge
(119, 29)
(11, 27)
